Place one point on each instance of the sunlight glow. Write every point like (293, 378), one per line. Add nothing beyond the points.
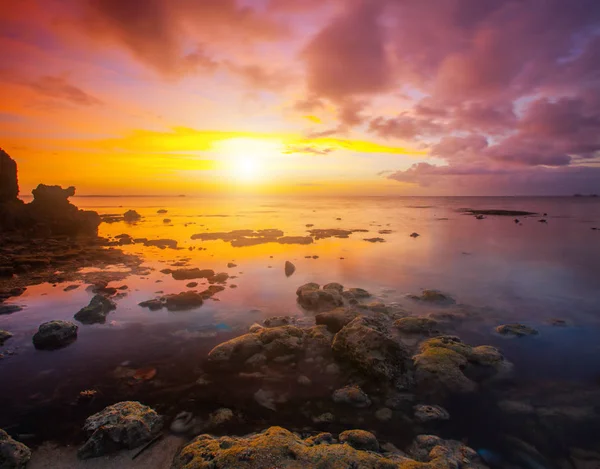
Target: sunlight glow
(249, 159)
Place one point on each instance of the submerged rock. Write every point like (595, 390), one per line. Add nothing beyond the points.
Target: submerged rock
(429, 413)
(96, 311)
(190, 274)
(279, 448)
(161, 243)
(9, 309)
(289, 268)
(416, 325)
(13, 454)
(434, 296)
(367, 345)
(351, 395)
(358, 292)
(183, 301)
(518, 330)
(4, 336)
(125, 425)
(152, 305)
(55, 334)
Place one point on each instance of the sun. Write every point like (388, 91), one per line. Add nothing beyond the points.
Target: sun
(249, 159)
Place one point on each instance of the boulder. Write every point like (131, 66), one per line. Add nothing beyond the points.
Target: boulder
(55, 334)
(96, 311)
(334, 286)
(336, 319)
(517, 330)
(13, 454)
(279, 448)
(446, 366)
(353, 396)
(367, 345)
(360, 439)
(125, 425)
(234, 353)
(312, 298)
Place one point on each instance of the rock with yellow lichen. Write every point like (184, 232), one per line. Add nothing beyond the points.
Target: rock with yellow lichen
(446, 365)
(282, 449)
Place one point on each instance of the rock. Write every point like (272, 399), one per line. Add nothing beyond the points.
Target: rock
(351, 395)
(384, 414)
(327, 417)
(167, 220)
(190, 274)
(220, 417)
(192, 285)
(295, 240)
(360, 439)
(314, 299)
(517, 330)
(234, 353)
(152, 305)
(557, 322)
(358, 293)
(131, 216)
(9, 185)
(334, 286)
(183, 301)
(221, 277)
(445, 365)
(183, 422)
(366, 344)
(4, 336)
(231, 265)
(277, 321)
(13, 454)
(289, 268)
(96, 311)
(55, 334)
(414, 235)
(125, 425)
(429, 413)
(161, 243)
(374, 240)
(279, 448)
(434, 296)
(304, 380)
(162, 210)
(416, 325)
(265, 399)
(336, 319)
(9, 309)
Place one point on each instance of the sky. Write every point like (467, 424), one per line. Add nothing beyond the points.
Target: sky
(332, 97)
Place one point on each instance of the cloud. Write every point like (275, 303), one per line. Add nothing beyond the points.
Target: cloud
(347, 58)
(59, 88)
(308, 149)
(404, 127)
(157, 32)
